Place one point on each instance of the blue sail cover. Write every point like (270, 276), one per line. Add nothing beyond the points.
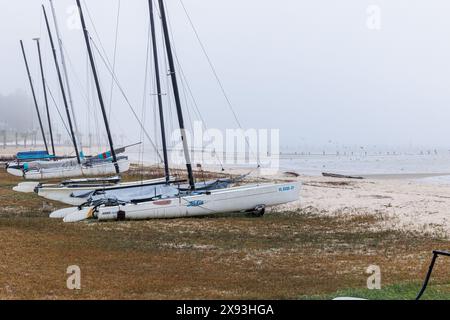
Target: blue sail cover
(33, 155)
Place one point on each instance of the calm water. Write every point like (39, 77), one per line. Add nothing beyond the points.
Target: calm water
(407, 165)
(364, 165)
(404, 164)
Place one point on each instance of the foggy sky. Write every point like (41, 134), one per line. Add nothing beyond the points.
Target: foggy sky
(310, 68)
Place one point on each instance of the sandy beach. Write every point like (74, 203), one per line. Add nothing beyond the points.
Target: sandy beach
(405, 203)
(408, 202)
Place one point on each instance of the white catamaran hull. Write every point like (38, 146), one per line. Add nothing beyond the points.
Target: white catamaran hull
(98, 169)
(64, 194)
(15, 172)
(26, 187)
(239, 199)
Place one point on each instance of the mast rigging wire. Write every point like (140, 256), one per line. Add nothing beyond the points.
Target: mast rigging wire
(106, 62)
(144, 103)
(185, 85)
(216, 75)
(114, 58)
(57, 109)
(108, 67)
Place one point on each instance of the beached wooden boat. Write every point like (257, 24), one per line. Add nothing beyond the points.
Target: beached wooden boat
(340, 176)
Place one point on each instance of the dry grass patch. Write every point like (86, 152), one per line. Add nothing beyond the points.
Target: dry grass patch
(279, 256)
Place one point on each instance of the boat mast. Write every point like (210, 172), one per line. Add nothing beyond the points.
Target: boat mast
(66, 74)
(97, 84)
(61, 85)
(176, 94)
(159, 93)
(34, 95)
(45, 95)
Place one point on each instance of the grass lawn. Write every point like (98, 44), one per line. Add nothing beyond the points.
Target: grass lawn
(404, 291)
(292, 255)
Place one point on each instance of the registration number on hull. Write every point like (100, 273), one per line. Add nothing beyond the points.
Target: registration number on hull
(286, 189)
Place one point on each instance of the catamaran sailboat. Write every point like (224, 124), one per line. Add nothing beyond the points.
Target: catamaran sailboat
(77, 192)
(26, 156)
(251, 199)
(172, 201)
(105, 164)
(94, 192)
(82, 192)
(43, 170)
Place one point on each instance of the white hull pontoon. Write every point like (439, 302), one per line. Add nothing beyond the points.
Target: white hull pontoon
(14, 171)
(252, 198)
(76, 196)
(70, 171)
(18, 169)
(26, 187)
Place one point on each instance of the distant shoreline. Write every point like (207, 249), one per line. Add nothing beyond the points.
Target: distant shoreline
(402, 176)
(303, 169)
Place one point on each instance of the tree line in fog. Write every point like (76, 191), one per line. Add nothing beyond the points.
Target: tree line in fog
(17, 112)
